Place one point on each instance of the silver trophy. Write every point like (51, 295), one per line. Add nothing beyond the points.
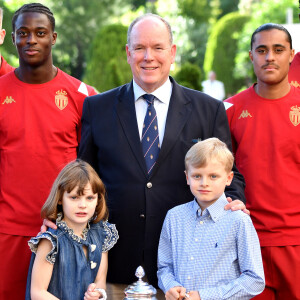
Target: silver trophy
(140, 289)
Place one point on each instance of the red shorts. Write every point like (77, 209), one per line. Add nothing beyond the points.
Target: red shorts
(282, 272)
(15, 257)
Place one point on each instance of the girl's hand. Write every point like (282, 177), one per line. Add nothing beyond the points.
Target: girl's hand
(91, 293)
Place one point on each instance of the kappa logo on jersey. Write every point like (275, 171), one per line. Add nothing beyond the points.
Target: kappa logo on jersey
(295, 84)
(61, 100)
(295, 115)
(245, 114)
(8, 100)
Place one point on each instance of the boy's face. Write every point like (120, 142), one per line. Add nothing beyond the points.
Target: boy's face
(207, 183)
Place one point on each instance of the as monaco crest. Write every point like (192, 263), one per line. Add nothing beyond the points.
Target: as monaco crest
(295, 115)
(61, 100)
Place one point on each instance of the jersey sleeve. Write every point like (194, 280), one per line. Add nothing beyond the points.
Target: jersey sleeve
(87, 90)
(110, 236)
(92, 91)
(34, 242)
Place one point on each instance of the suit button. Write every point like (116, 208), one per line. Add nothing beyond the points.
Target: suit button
(142, 216)
(149, 185)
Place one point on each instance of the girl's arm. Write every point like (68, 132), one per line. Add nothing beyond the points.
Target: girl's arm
(41, 273)
(100, 281)
(102, 272)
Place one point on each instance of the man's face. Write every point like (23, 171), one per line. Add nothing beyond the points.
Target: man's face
(212, 76)
(33, 38)
(271, 56)
(150, 53)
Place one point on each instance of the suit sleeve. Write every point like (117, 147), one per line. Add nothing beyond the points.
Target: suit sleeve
(222, 131)
(87, 148)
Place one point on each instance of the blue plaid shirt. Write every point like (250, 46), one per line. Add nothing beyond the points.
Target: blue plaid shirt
(217, 254)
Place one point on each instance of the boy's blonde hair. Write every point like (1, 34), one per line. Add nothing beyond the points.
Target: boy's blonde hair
(76, 173)
(201, 153)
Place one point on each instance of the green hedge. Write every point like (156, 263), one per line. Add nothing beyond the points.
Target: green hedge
(189, 75)
(107, 65)
(222, 48)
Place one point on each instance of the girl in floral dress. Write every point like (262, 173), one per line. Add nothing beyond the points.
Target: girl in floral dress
(71, 261)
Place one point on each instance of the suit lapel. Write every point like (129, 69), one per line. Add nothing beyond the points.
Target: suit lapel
(127, 115)
(179, 111)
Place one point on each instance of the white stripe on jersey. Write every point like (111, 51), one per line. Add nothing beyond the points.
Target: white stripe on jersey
(83, 89)
(227, 105)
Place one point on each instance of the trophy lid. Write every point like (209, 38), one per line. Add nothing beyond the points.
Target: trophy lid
(140, 288)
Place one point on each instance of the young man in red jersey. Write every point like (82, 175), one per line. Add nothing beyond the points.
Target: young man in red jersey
(40, 122)
(265, 128)
(4, 66)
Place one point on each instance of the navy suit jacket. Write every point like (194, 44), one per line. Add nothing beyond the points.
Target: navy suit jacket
(137, 202)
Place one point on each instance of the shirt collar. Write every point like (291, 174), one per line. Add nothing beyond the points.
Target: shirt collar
(163, 93)
(216, 210)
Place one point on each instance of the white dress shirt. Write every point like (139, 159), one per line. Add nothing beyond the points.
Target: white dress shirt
(161, 105)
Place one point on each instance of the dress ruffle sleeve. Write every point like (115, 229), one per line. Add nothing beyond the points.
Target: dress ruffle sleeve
(34, 242)
(110, 236)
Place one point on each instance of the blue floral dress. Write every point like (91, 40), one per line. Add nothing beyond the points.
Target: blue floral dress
(72, 270)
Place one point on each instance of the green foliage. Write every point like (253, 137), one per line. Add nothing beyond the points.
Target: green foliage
(137, 3)
(198, 10)
(8, 50)
(190, 76)
(78, 21)
(201, 11)
(206, 10)
(222, 48)
(263, 12)
(107, 65)
(200, 16)
(195, 50)
(228, 6)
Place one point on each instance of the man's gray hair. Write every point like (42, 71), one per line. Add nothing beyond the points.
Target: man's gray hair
(168, 26)
(1, 17)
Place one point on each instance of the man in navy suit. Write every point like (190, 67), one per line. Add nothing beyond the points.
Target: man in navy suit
(112, 126)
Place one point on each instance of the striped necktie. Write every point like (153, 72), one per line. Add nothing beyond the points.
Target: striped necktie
(150, 140)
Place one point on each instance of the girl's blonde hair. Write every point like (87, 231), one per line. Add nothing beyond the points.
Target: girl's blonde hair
(203, 152)
(77, 173)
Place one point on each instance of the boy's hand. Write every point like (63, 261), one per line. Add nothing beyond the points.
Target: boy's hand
(91, 294)
(194, 295)
(46, 224)
(176, 293)
(236, 205)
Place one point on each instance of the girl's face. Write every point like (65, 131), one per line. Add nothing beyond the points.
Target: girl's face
(79, 209)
